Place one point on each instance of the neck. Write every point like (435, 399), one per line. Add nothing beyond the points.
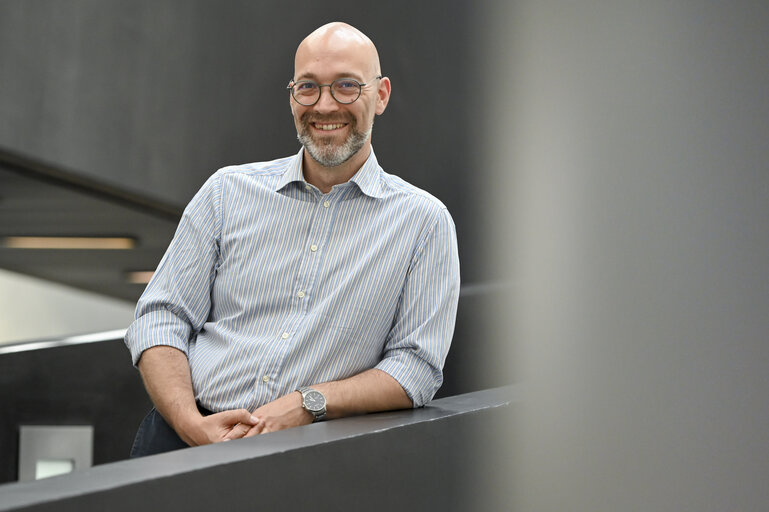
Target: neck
(326, 177)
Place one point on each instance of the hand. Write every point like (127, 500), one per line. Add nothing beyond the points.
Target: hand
(285, 412)
(222, 426)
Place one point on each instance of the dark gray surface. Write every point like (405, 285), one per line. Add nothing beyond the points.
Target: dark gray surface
(88, 384)
(407, 459)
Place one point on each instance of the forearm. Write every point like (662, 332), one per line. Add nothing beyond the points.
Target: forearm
(166, 375)
(370, 391)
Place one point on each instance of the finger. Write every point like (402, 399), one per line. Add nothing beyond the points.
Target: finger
(256, 429)
(236, 416)
(243, 429)
(237, 432)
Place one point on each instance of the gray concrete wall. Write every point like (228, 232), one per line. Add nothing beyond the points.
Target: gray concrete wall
(147, 95)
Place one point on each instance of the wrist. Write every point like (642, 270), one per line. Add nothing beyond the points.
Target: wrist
(313, 402)
(300, 405)
(188, 426)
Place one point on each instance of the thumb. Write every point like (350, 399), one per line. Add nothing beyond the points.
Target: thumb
(239, 416)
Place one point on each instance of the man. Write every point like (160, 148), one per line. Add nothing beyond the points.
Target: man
(311, 287)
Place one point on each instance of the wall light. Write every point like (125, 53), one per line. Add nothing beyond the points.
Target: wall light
(68, 242)
(139, 276)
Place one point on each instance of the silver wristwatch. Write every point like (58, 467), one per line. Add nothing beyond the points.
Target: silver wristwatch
(313, 402)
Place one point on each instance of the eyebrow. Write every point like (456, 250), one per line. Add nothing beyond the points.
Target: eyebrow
(314, 77)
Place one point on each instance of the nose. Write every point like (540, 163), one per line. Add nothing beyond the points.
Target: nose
(326, 102)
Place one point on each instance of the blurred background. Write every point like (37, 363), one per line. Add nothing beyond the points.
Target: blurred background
(605, 163)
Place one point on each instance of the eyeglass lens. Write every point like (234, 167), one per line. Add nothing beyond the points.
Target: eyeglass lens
(343, 90)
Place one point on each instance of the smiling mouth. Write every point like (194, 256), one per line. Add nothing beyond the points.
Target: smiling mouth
(327, 127)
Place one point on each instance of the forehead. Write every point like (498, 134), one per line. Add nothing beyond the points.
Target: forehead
(334, 57)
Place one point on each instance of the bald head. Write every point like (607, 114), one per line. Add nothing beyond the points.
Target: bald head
(338, 42)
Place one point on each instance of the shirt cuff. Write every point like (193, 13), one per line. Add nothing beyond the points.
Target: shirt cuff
(154, 328)
(419, 379)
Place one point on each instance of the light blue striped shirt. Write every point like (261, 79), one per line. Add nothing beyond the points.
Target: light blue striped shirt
(269, 284)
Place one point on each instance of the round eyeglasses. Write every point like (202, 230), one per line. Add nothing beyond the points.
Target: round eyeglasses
(343, 90)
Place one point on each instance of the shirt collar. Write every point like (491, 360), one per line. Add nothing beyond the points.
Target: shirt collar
(293, 172)
(367, 177)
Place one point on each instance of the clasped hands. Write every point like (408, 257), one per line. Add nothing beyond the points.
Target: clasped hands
(285, 412)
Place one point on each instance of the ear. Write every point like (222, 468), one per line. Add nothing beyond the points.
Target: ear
(383, 94)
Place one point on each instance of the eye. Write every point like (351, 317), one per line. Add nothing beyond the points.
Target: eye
(305, 87)
(346, 85)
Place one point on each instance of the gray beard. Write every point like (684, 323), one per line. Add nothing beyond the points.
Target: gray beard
(330, 155)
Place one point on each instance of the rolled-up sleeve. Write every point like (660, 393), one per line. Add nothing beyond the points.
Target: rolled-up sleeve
(177, 301)
(419, 340)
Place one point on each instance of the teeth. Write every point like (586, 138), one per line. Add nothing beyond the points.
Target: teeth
(328, 127)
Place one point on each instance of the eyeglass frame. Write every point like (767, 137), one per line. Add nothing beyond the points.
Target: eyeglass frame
(291, 85)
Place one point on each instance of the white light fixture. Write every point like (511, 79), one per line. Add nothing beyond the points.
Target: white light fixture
(139, 276)
(46, 468)
(68, 242)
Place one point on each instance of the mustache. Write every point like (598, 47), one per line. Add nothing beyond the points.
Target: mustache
(308, 118)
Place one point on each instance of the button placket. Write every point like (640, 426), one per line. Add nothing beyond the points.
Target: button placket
(325, 204)
(316, 222)
(320, 223)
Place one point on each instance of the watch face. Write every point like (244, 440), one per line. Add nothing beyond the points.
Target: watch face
(314, 400)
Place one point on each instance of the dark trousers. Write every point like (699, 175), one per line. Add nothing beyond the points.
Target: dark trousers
(157, 436)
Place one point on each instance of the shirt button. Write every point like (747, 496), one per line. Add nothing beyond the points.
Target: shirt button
(326, 204)
(313, 247)
(266, 379)
(300, 295)
(284, 335)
